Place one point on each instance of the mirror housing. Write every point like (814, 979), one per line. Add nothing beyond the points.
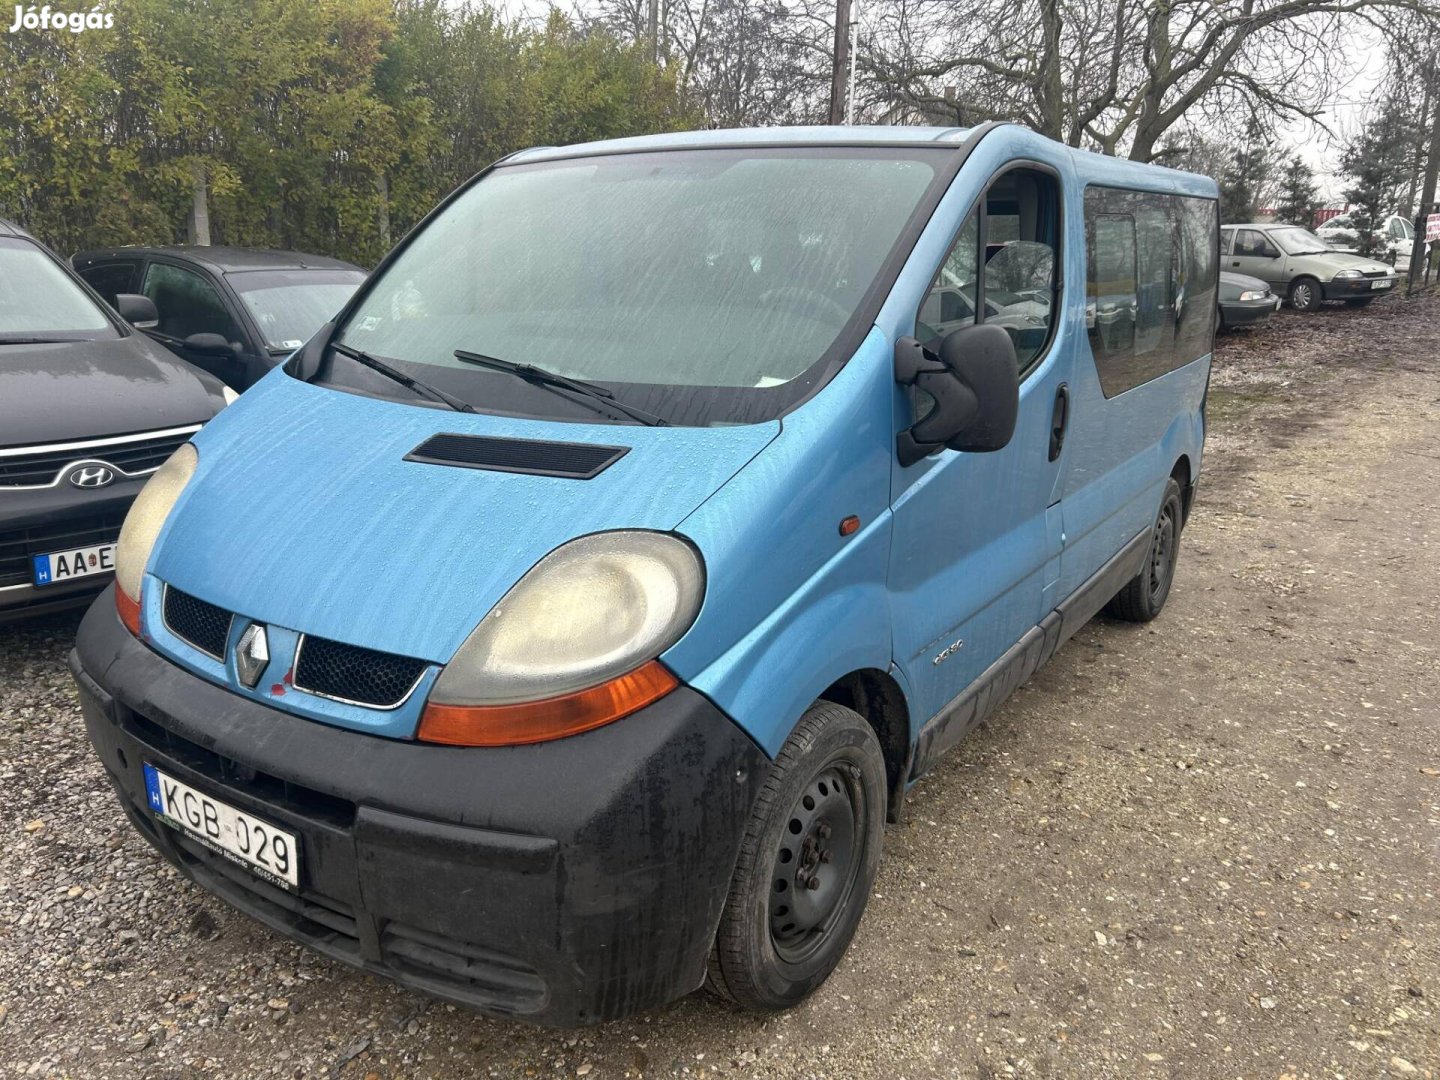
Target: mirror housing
(974, 379)
(139, 311)
(209, 344)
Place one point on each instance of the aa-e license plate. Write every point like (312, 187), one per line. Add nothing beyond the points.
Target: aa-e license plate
(270, 853)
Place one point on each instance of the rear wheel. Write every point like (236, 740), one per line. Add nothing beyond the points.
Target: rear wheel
(1144, 595)
(807, 863)
(1305, 294)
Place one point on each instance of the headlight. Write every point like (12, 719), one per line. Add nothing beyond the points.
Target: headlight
(1253, 294)
(1347, 274)
(572, 645)
(143, 524)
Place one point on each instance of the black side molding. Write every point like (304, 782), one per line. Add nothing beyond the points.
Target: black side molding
(973, 705)
(571, 461)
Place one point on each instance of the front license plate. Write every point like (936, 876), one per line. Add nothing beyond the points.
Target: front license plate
(1381, 283)
(260, 847)
(77, 563)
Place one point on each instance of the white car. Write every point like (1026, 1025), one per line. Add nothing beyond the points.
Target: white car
(1396, 234)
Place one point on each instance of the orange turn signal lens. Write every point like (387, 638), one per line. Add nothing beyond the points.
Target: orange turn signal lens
(129, 611)
(553, 718)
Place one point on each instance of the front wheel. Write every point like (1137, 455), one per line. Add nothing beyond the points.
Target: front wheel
(1305, 294)
(807, 863)
(1144, 595)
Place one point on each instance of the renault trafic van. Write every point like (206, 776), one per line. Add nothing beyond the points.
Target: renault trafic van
(558, 629)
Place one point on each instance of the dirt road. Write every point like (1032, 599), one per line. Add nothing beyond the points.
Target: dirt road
(1209, 847)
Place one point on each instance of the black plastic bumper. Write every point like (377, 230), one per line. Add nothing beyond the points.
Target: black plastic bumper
(1349, 288)
(1246, 312)
(563, 883)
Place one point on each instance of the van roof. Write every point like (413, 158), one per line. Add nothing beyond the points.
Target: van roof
(1093, 167)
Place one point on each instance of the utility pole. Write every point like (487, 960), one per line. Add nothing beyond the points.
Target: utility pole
(840, 72)
(1418, 249)
(854, 48)
(652, 24)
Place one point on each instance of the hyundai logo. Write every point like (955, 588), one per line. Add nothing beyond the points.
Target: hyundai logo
(91, 476)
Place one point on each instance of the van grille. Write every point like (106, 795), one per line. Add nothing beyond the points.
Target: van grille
(350, 673)
(202, 624)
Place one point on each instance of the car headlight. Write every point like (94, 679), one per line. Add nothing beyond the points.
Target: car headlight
(143, 524)
(1253, 294)
(1347, 274)
(572, 645)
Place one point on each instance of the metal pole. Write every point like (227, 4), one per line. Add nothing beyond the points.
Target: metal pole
(842, 61)
(850, 90)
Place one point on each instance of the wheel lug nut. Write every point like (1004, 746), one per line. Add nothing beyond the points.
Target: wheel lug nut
(824, 832)
(824, 856)
(813, 883)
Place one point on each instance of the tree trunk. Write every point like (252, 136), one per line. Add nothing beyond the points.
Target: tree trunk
(382, 210)
(199, 209)
(838, 74)
(1418, 249)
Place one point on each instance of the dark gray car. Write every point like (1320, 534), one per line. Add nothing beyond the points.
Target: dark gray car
(1301, 267)
(89, 408)
(235, 312)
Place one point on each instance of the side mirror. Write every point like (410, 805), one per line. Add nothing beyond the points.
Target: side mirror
(209, 344)
(138, 311)
(974, 379)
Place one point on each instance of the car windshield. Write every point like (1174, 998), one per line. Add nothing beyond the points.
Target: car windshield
(705, 286)
(39, 300)
(290, 305)
(1294, 240)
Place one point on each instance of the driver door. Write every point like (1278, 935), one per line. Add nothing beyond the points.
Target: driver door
(1256, 255)
(976, 536)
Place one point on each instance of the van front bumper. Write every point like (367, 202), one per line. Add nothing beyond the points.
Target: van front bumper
(563, 883)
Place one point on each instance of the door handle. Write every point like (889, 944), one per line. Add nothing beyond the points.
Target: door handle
(1059, 419)
(1235, 263)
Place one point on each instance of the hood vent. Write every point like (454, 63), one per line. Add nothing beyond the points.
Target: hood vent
(573, 461)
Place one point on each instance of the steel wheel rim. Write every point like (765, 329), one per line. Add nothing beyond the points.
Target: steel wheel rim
(1162, 552)
(817, 862)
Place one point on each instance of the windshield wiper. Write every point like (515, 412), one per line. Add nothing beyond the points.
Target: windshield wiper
(552, 380)
(424, 389)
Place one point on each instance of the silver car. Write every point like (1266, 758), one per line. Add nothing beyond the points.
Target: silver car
(1301, 267)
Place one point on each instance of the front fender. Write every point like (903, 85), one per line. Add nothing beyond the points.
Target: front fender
(837, 623)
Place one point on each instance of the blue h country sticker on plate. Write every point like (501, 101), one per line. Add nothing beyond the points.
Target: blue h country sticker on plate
(42, 569)
(152, 790)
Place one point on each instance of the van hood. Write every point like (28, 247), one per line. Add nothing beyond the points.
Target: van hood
(304, 513)
(75, 390)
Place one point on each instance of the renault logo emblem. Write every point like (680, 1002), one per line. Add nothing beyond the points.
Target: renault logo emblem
(252, 655)
(91, 476)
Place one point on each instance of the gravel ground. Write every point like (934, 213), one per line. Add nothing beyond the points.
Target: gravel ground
(1208, 847)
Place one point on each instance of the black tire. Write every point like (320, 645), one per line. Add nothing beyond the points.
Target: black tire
(1305, 294)
(1359, 301)
(1144, 595)
(820, 818)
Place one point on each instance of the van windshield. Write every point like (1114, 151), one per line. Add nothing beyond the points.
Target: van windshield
(705, 286)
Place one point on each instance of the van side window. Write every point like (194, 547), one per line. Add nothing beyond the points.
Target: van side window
(950, 303)
(1022, 239)
(1017, 233)
(1151, 279)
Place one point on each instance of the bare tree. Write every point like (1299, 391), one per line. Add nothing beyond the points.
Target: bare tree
(1115, 75)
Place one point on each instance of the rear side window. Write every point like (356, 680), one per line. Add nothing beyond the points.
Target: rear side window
(1151, 267)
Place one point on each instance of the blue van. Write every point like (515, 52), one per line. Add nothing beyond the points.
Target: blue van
(558, 629)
